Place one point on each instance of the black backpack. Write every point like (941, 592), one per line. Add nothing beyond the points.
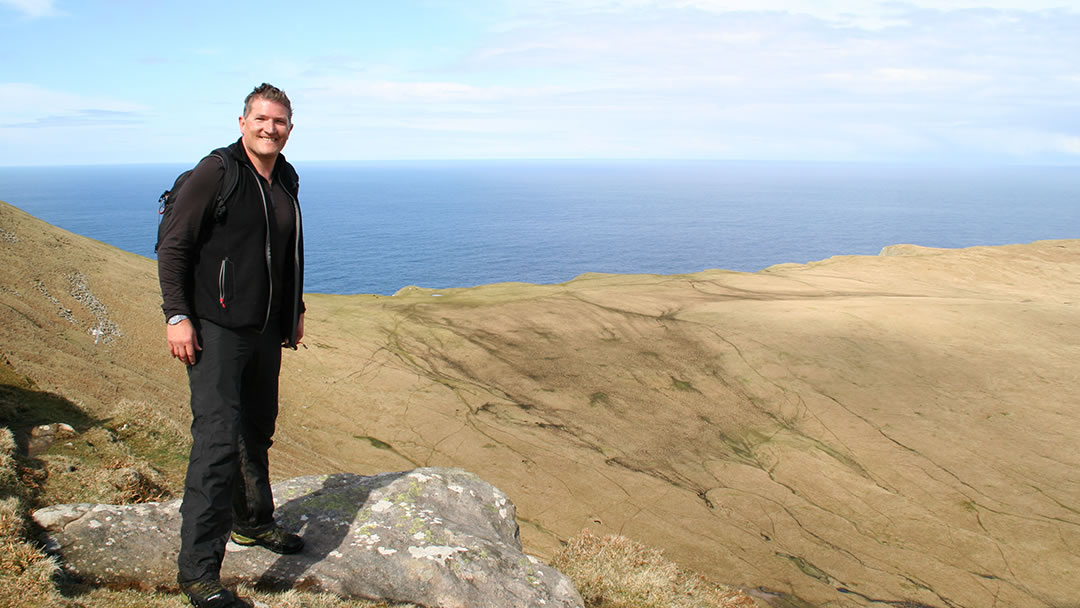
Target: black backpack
(228, 186)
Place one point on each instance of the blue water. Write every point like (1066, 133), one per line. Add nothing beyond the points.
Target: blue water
(374, 227)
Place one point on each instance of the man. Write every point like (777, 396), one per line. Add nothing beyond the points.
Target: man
(231, 285)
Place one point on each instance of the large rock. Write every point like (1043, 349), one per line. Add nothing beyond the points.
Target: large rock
(434, 537)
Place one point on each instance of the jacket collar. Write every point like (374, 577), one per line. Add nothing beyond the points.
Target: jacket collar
(240, 154)
(283, 171)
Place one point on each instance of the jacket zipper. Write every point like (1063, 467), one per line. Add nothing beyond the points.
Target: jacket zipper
(269, 267)
(221, 282)
(297, 295)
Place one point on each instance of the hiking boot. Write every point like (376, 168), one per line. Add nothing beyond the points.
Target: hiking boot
(275, 539)
(211, 594)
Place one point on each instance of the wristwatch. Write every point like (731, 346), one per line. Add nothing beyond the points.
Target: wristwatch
(173, 320)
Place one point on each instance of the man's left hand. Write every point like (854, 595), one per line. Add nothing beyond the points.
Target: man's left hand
(299, 335)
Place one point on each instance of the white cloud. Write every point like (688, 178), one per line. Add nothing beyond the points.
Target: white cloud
(347, 93)
(817, 8)
(1070, 145)
(864, 14)
(631, 78)
(30, 105)
(658, 78)
(836, 7)
(33, 8)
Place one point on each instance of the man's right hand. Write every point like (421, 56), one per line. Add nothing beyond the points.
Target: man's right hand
(183, 343)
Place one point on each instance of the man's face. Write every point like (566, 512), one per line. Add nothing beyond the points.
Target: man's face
(265, 128)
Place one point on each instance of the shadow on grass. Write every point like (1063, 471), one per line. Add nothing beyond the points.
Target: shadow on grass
(24, 408)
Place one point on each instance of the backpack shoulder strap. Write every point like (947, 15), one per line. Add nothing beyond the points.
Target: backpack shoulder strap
(228, 183)
(225, 190)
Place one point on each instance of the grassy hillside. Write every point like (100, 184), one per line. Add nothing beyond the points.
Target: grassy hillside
(116, 412)
(891, 428)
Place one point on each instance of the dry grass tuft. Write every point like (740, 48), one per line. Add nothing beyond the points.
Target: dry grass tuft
(147, 425)
(26, 573)
(98, 467)
(615, 572)
(135, 455)
(9, 478)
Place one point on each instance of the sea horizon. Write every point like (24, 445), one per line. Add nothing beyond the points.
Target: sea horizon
(910, 162)
(379, 226)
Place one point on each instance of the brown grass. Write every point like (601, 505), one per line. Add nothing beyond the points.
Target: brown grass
(615, 572)
(896, 427)
(120, 460)
(25, 571)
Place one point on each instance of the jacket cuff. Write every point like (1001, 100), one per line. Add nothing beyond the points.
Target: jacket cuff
(172, 312)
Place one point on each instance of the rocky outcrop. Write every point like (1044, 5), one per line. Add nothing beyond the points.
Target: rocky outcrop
(433, 537)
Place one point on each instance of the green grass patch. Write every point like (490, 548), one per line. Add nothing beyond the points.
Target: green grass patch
(375, 443)
(599, 398)
(807, 568)
(683, 385)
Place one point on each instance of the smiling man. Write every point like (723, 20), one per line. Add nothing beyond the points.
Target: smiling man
(231, 276)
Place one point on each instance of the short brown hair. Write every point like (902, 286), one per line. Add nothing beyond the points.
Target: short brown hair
(270, 93)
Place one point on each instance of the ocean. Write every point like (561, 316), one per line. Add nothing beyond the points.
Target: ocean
(375, 227)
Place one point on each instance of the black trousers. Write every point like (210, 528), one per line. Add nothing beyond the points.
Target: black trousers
(234, 405)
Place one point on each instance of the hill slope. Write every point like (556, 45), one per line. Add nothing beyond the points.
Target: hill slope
(865, 428)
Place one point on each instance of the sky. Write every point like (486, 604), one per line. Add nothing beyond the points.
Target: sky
(945, 81)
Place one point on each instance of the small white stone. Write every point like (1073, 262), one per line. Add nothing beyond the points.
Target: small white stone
(382, 506)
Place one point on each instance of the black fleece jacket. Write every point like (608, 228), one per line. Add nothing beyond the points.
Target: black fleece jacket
(219, 269)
